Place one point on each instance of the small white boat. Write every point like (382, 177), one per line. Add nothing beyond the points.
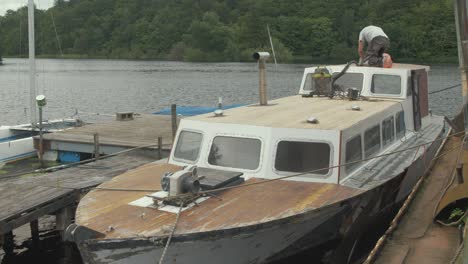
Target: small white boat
(16, 142)
(288, 176)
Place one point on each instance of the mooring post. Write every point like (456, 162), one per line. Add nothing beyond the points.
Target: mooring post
(461, 16)
(174, 120)
(160, 148)
(34, 225)
(96, 146)
(64, 219)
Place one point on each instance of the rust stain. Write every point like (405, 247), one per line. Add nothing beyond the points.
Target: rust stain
(312, 198)
(238, 207)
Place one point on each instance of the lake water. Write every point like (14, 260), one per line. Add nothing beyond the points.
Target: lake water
(96, 89)
(104, 87)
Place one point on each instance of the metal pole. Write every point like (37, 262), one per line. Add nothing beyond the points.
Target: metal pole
(32, 63)
(262, 82)
(41, 146)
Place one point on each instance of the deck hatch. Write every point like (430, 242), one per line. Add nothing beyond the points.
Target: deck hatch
(213, 178)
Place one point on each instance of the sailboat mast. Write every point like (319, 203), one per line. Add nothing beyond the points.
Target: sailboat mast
(32, 63)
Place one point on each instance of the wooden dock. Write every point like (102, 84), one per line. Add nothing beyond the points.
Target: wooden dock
(416, 238)
(113, 136)
(25, 199)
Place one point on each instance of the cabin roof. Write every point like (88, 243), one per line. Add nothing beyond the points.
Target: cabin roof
(293, 111)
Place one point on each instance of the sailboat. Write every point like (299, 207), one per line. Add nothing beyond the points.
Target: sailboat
(16, 142)
(261, 182)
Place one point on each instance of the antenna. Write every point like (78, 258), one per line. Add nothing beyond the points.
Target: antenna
(271, 43)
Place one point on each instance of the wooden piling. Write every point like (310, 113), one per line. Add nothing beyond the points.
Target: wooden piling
(174, 119)
(34, 225)
(160, 156)
(96, 146)
(64, 219)
(461, 16)
(8, 243)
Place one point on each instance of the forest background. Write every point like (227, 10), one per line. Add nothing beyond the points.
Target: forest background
(230, 30)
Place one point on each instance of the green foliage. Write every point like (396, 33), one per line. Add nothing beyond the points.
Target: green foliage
(456, 214)
(230, 30)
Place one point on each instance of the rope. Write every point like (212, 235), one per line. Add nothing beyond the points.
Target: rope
(447, 187)
(125, 190)
(375, 251)
(171, 235)
(459, 250)
(445, 89)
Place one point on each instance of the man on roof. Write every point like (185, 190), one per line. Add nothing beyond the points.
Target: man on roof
(377, 43)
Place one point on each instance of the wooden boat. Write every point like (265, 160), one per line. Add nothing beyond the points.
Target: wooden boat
(289, 176)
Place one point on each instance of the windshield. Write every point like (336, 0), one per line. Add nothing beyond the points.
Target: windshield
(188, 146)
(235, 152)
(350, 80)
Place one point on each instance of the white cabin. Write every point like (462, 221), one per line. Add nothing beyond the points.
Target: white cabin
(277, 140)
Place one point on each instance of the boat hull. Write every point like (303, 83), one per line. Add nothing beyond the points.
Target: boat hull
(345, 222)
(246, 245)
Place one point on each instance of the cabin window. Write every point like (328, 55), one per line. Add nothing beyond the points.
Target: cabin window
(296, 156)
(372, 141)
(353, 153)
(350, 80)
(188, 146)
(309, 83)
(388, 131)
(235, 152)
(400, 124)
(386, 84)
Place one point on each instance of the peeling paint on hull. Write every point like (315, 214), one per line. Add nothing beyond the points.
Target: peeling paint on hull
(249, 247)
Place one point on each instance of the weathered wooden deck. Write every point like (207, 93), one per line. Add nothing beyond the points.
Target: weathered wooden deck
(113, 135)
(24, 199)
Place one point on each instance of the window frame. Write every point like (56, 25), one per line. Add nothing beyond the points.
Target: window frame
(306, 140)
(260, 160)
(386, 94)
(380, 140)
(201, 146)
(385, 145)
(402, 134)
(349, 171)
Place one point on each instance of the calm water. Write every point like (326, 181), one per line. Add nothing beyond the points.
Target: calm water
(104, 87)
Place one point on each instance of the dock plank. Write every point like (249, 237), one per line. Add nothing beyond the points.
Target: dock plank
(23, 199)
(143, 130)
(417, 238)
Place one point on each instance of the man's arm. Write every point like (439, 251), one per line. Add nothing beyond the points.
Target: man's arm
(361, 49)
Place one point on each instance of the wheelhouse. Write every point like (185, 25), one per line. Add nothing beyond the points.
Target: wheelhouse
(310, 138)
